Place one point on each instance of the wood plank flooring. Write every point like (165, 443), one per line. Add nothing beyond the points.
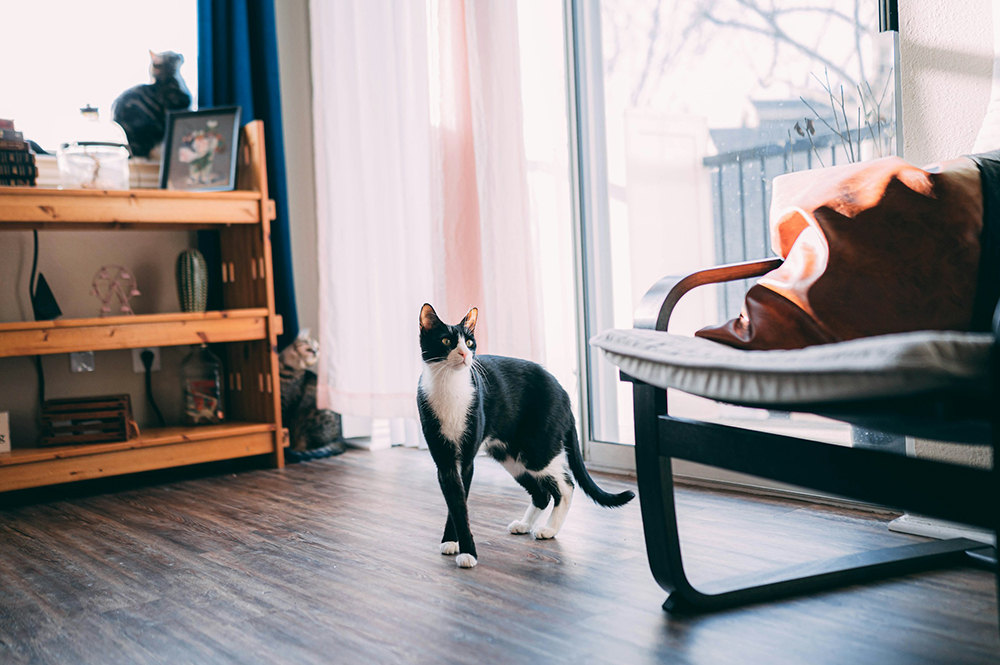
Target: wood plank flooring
(336, 562)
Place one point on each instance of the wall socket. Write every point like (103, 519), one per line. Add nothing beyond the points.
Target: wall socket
(81, 361)
(137, 365)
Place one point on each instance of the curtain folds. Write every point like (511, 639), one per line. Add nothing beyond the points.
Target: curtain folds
(422, 191)
(238, 65)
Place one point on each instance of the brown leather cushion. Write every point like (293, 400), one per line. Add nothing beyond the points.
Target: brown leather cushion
(873, 248)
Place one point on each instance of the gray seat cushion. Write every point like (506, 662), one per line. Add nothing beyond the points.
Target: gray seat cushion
(873, 367)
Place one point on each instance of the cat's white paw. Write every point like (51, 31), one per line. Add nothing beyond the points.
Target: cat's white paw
(465, 560)
(543, 533)
(449, 547)
(517, 526)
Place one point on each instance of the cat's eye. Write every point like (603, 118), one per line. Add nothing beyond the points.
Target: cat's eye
(468, 343)
(446, 341)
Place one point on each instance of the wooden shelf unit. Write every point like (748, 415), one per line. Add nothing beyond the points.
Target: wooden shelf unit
(248, 327)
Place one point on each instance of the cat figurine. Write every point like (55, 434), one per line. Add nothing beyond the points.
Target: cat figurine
(512, 408)
(313, 433)
(142, 109)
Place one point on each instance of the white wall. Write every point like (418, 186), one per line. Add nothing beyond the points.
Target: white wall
(946, 54)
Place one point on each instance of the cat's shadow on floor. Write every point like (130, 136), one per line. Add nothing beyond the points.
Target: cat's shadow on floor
(524, 557)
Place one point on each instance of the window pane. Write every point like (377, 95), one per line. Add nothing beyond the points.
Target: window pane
(545, 118)
(705, 102)
(70, 54)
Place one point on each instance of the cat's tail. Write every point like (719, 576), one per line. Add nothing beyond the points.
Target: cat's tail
(587, 484)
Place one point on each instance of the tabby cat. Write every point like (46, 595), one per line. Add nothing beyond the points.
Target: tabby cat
(142, 109)
(313, 433)
(514, 409)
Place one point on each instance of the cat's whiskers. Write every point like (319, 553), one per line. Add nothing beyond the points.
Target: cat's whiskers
(479, 371)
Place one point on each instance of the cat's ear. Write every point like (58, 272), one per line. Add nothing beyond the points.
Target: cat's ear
(157, 60)
(470, 320)
(428, 317)
(303, 333)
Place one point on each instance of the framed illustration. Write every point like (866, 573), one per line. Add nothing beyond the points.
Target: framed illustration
(199, 150)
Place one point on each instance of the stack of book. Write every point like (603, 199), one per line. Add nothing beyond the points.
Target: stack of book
(17, 159)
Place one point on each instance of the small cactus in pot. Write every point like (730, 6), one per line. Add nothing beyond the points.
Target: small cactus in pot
(192, 281)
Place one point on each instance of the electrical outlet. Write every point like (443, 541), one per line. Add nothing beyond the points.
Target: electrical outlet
(137, 365)
(81, 361)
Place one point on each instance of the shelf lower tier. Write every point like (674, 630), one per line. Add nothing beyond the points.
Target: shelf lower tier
(130, 332)
(154, 449)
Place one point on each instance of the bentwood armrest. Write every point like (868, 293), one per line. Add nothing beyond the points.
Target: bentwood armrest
(658, 304)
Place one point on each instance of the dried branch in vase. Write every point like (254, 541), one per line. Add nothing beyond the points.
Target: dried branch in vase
(869, 117)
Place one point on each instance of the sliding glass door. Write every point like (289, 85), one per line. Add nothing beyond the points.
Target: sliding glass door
(684, 112)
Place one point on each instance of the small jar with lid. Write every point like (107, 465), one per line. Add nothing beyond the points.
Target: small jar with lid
(96, 157)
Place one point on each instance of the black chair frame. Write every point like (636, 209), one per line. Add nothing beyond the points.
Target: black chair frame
(937, 489)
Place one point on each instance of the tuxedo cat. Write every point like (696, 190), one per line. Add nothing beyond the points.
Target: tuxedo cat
(514, 409)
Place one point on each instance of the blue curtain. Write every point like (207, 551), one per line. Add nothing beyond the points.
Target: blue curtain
(238, 65)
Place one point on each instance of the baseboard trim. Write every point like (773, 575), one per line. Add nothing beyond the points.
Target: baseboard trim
(735, 483)
(804, 495)
(918, 525)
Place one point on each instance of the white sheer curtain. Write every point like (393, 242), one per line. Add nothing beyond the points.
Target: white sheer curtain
(510, 256)
(422, 192)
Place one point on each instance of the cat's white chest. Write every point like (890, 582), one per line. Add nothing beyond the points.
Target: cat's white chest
(449, 393)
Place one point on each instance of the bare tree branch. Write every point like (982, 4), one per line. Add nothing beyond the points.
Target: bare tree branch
(663, 43)
(830, 11)
(654, 33)
(785, 38)
(857, 38)
(777, 32)
(686, 35)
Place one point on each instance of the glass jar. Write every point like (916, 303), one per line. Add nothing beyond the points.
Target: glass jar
(201, 382)
(97, 157)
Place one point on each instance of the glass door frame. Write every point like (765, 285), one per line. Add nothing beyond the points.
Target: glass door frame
(588, 152)
(592, 247)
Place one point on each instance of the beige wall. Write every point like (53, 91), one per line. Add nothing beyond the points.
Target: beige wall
(69, 260)
(296, 102)
(946, 54)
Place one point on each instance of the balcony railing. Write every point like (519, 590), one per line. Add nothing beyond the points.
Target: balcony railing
(741, 198)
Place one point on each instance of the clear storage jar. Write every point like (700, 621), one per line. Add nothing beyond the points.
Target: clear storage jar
(95, 154)
(201, 382)
(93, 165)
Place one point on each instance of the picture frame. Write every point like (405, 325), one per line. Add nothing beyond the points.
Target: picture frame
(200, 150)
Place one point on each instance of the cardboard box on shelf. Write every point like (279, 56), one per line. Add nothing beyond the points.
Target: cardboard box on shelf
(4, 432)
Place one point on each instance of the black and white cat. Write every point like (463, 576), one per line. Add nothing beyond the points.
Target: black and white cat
(513, 408)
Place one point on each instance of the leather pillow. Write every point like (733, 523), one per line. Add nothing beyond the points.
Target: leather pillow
(872, 248)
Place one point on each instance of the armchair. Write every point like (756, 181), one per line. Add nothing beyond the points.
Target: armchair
(936, 384)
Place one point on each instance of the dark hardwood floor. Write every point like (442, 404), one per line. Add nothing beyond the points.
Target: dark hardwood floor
(337, 562)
